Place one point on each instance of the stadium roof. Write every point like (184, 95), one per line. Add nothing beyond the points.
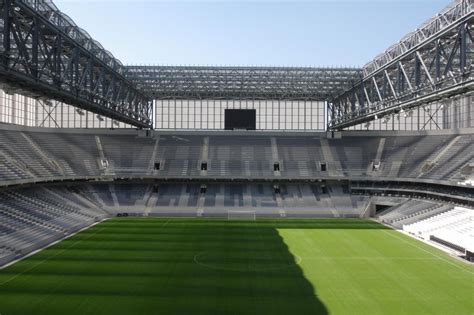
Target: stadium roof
(84, 74)
(165, 82)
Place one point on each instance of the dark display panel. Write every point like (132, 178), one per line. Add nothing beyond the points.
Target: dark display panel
(240, 119)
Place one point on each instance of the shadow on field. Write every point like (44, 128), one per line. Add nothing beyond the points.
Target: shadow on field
(161, 266)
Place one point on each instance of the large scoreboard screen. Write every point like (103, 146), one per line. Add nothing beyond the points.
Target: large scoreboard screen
(240, 119)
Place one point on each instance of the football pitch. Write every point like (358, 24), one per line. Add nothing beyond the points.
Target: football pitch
(197, 266)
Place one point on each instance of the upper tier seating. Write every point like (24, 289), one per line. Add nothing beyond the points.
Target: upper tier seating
(76, 152)
(32, 156)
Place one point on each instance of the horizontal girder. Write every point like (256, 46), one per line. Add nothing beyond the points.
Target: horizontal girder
(44, 54)
(168, 82)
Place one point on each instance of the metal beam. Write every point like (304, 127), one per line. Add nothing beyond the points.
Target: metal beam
(320, 84)
(416, 71)
(44, 54)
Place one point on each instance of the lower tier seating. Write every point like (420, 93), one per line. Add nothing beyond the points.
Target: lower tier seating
(34, 217)
(454, 227)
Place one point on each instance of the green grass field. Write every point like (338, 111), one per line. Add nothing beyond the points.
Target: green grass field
(193, 266)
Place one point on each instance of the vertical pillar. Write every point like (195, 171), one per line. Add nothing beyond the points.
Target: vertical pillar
(34, 49)
(417, 72)
(57, 50)
(463, 48)
(2, 105)
(438, 61)
(6, 33)
(13, 109)
(26, 110)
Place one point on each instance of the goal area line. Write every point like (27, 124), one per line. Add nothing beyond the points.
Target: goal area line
(241, 215)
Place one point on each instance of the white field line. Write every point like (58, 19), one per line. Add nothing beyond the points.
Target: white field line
(367, 258)
(199, 255)
(427, 251)
(166, 223)
(451, 252)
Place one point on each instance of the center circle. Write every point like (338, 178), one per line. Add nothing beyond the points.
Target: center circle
(247, 261)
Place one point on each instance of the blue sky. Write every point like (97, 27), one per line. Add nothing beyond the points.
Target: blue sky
(263, 32)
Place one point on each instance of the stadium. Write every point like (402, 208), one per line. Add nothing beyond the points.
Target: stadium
(139, 189)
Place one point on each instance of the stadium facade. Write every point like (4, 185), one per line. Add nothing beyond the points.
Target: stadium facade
(84, 137)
